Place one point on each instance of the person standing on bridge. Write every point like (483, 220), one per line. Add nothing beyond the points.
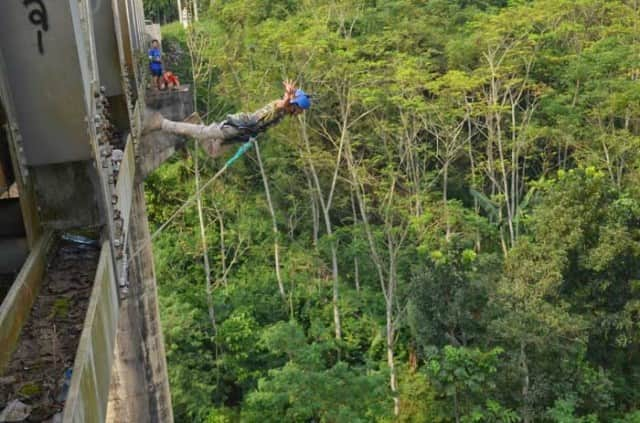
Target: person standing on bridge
(155, 64)
(217, 137)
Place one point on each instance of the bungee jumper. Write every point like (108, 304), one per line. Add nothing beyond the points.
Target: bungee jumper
(218, 137)
(236, 128)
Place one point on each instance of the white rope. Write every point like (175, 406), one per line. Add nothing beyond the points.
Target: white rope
(193, 197)
(175, 214)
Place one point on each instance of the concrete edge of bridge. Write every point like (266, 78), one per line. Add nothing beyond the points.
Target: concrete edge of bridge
(16, 307)
(89, 387)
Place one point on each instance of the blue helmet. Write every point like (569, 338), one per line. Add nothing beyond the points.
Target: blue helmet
(301, 99)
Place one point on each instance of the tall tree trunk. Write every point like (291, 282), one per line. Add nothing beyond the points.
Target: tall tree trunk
(393, 376)
(274, 224)
(445, 205)
(388, 288)
(474, 184)
(326, 206)
(356, 267)
(223, 248)
(526, 417)
(315, 214)
(334, 259)
(205, 251)
(336, 291)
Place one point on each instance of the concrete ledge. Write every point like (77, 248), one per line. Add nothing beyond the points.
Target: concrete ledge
(172, 104)
(89, 389)
(124, 185)
(16, 306)
(156, 147)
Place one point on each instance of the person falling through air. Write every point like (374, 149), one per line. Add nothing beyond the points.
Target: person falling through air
(240, 127)
(155, 64)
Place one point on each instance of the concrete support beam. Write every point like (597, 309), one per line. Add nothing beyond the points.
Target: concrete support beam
(89, 388)
(16, 155)
(49, 69)
(107, 47)
(28, 205)
(16, 306)
(124, 32)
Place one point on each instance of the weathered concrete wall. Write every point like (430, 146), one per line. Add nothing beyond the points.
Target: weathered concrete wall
(139, 383)
(156, 147)
(172, 104)
(16, 306)
(106, 47)
(89, 388)
(51, 117)
(68, 194)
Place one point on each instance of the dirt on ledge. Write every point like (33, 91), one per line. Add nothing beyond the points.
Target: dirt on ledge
(43, 359)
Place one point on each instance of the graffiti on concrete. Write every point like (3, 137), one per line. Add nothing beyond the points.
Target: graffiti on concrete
(39, 18)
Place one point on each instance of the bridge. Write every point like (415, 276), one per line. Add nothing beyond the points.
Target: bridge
(80, 336)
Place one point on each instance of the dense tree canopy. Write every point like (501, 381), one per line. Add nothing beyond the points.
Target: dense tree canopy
(452, 232)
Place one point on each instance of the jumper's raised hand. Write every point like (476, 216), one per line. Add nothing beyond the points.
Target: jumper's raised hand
(289, 89)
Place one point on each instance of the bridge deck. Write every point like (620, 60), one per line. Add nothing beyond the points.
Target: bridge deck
(50, 337)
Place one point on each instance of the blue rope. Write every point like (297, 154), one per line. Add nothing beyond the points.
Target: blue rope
(243, 149)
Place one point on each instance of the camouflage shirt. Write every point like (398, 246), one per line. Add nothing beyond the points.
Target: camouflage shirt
(250, 124)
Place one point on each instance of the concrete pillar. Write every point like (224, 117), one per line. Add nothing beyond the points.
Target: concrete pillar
(46, 54)
(107, 47)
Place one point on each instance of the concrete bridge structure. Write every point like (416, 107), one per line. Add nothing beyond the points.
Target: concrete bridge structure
(80, 335)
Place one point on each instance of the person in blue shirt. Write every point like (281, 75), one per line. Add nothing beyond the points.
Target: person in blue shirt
(155, 63)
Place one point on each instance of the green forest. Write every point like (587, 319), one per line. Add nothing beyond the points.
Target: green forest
(450, 234)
